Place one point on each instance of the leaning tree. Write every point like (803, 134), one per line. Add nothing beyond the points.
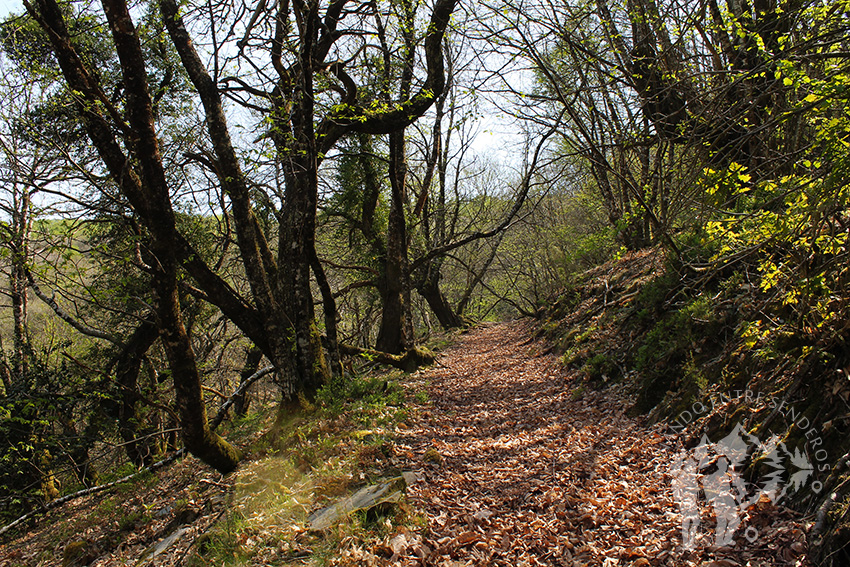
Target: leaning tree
(299, 71)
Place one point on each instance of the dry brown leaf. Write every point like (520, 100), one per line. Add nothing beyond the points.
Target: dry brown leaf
(548, 467)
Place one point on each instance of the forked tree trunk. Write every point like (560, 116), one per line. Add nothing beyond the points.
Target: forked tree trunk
(396, 332)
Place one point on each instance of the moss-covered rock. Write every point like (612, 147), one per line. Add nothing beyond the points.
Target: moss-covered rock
(78, 553)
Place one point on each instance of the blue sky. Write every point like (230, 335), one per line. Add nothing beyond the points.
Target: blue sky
(7, 6)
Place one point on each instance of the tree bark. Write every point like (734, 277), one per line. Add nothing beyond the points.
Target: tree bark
(330, 315)
(128, 364)
(395, 335)
(242, 401)
(429, 288)
(310, 369)
(20, 234)
(5, 370)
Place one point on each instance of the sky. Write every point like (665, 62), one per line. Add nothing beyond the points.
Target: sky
(7, 6)
(489, 140)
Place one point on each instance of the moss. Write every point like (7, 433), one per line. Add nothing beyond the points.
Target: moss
(601, 367)
(321, 371)
(128, 522)
(217, 453)
(571, 356)
(317, 457)
(78, 553)
(432, 456)
(549, 327)
(416, 357)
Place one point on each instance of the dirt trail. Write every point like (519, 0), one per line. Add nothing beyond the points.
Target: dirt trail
(520, 464)
(536, 470)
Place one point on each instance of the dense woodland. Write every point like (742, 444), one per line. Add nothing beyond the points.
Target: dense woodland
(199, 195)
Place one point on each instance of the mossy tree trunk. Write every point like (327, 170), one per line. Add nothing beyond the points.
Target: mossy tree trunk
(395, 334)
(309, 368)
(143, 181)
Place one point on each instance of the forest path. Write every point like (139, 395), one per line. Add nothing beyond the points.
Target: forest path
(536, 470)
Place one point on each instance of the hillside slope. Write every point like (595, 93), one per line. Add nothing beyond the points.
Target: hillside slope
(564, 451)
(706, 350)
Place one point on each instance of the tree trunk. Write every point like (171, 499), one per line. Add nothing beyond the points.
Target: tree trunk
(197, 436)
(309, 370)
(127, 368)
(5, 370)
(271, 288)
(429, 288)
(395, 335)
(331, 315)
(252, 363)
(18, 280)
(396, 331)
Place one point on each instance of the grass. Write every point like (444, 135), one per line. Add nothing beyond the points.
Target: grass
(316, 457)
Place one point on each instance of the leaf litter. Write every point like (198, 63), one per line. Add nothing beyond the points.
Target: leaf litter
(535, 469)
(512, 461)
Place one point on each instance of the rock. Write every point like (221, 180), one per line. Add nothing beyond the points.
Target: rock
(410, 477)
(158, 548)
(432, 456)
(164, 511)
(375, 499)
(78, 553)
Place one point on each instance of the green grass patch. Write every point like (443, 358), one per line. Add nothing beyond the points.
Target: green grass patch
(317, 456)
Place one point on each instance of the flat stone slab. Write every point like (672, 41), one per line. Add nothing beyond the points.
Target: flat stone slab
(410, 477)
(161, 546)
(367, 498)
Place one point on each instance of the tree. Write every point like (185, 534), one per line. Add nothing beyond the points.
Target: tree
(304, 124)
(146, 187)
(303, 131)
(656, 91)
(25, 170)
